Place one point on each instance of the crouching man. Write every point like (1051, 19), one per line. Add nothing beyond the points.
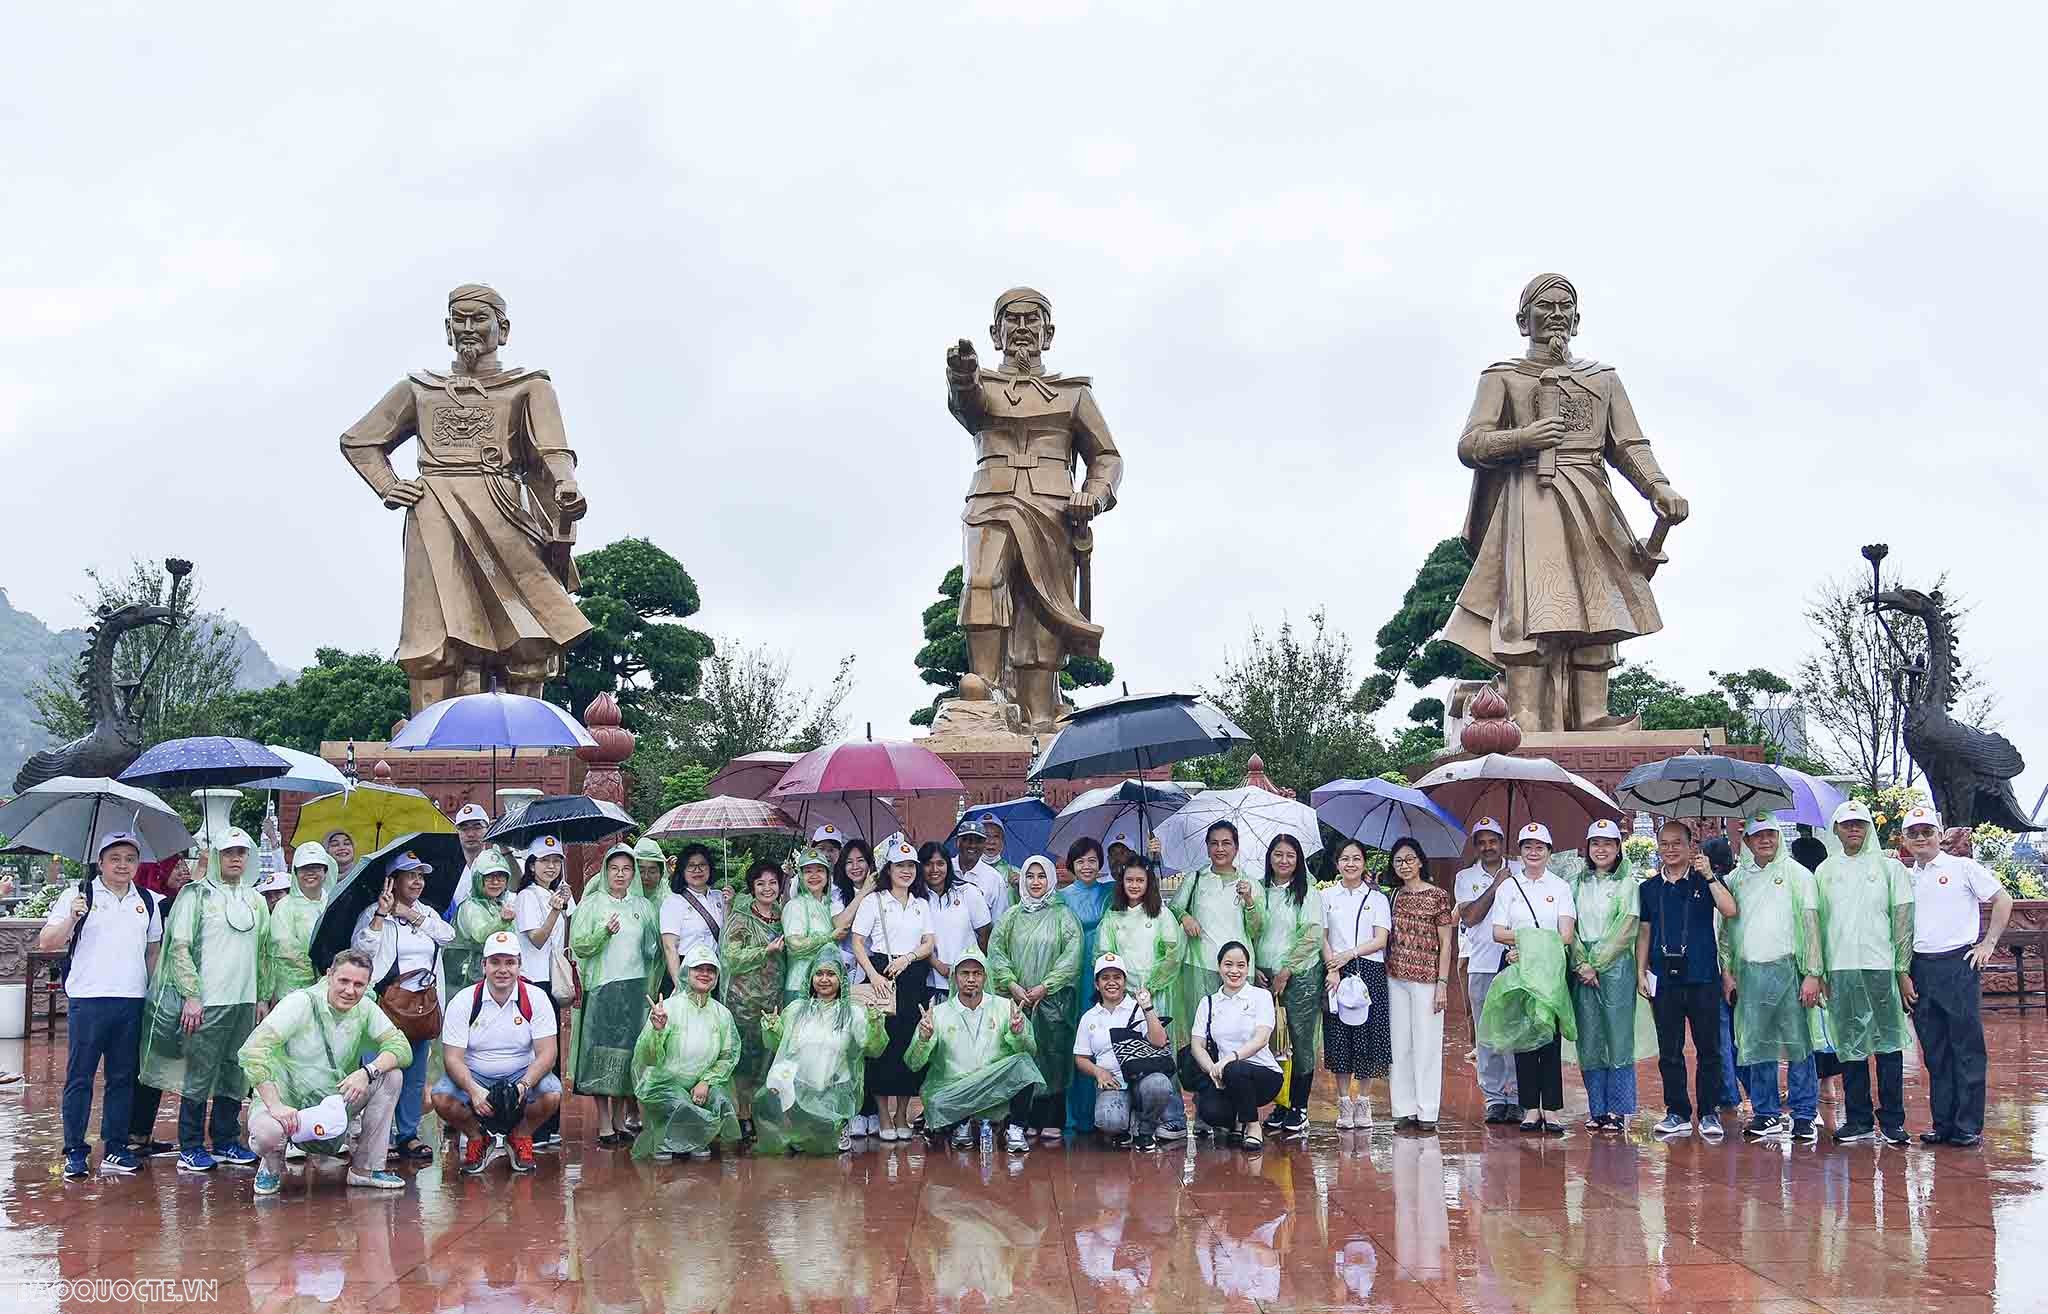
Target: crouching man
(293, 1060)
(498, 1047)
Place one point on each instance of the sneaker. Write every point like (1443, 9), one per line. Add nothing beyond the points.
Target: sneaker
(1276, 1119)
(195, 1161)
(1671, 1126)
(1121, 1141)
(119, 1162)
(1172, 1133)
(700, 1156)
(522, 1154)
(1934, 1138)
(379, 1180)
(963, 1134)
(1710, 1126)
(1202, 1130)
(473, 1154)
(1050, 1135)
(75, 1169)
(1761, 1128)
(845, 1142)
(1805, 1129)
(1145, 1143)
(1295, 1122)
(1016, 1142)
(236, 1155)
(1854, 1134)
(155, 1150)
(1343, 1113)
(1896, 1136)
(267, 1183)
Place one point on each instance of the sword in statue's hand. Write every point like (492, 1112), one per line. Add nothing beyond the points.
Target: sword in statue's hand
(1651, 554)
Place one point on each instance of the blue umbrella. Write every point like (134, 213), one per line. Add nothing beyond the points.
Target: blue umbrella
(1134, 808)
(204, 762)
(1025, 821)
(1132, 735)
(493, 720)
(1378, 812)
(1813, 800)
(1703, 785)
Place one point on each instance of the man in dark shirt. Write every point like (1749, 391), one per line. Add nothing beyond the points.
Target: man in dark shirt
(1680, 974)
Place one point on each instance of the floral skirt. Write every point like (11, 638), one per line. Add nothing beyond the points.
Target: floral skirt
(1365, 1050)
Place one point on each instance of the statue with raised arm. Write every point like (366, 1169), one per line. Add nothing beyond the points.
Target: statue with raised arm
(1558, 579)
(1027, 523)
(490, 519)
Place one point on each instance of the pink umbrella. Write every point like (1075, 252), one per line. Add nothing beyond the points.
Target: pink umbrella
(871, 821)
(1518, 790)
(865, 775)
(752, 775)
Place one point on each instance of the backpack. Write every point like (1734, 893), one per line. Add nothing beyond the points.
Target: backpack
(152, 910)
(476, 1003)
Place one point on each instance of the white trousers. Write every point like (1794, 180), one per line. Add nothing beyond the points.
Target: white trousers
(1417, 1078)
(368, 1153)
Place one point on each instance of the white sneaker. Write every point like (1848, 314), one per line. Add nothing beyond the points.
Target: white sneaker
(1343, 1113)
(845, 1143)
(1173, 1133)
(1016, 1142)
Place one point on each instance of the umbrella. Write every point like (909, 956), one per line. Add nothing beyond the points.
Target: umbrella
(865, 774)
(1259, 815)
(1378, 812)
(68, 815)
(1135, 806)
(203, 762)
(572, 818)
(875, 817)
(475, 722)
(371, 813)
(721, 817)
(751, 775)
(1026, 822)
(1703, 785)
(1813, 800)
(1519, 790)
(337, 927)
(304, 774)
(1134, 734)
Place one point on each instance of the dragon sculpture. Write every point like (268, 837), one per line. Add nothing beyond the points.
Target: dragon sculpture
(1969, 771)
(117, 708)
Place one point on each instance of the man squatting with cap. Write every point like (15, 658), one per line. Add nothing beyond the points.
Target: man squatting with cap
(1679, 972)
(498, 1044)
(113, 929)
(1943, 990)
(1476, 887)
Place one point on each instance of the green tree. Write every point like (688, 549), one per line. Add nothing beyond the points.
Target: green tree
(943, 658)
(1408, 645)
(632, 593)
(1296, 695)
(692, 784)
(342, 695)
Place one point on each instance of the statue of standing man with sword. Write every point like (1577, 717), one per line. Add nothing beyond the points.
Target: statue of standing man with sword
(1027, 525)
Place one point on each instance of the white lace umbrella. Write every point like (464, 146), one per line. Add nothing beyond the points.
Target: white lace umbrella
(1259, 815)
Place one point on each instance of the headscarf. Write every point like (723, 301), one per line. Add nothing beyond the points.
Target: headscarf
(478, 292)
(1540, 284)
(1025, 902)
(1021, 294)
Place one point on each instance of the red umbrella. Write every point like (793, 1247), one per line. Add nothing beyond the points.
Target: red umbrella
(866, 774)
(752, 775)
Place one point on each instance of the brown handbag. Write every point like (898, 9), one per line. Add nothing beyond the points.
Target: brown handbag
(416, 1013)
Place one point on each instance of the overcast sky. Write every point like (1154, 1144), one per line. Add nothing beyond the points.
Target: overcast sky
(1283, 241)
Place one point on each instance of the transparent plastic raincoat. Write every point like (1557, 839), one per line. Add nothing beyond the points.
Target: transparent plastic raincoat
(650, 883)
(752, 984)
(1771, 948)
(806, 932)
(1529, 1003)
(973, 1064)
(814, 1083)
(288, 962)
(1151, 948)
(614, 970)
(215, 950)
(1290, 939)
(699, 1046)
(1615, 1027)
(1038, 943)
(1210, 897)
(462, 962)
(1866, 926)
(305, 1048)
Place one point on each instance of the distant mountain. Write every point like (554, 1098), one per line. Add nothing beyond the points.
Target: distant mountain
(27, 647)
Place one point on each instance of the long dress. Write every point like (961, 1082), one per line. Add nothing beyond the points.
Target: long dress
(1034, 947)
(1614, 1031)
(289, 965)
(814, 1083)
(1088, 902)
(614, 969)
(700, 1044)
(752, 985)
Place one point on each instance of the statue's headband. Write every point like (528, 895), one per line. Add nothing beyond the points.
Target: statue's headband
(477, 292)
(1022, 294)
(1542, 283)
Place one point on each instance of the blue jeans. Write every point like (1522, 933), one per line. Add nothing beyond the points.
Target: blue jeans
(1801, 1083)
(105, 1031)
(412, 1094)
(1731, 1072)
(1610, 1090)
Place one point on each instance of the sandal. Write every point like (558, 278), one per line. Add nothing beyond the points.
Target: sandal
(611, 1140)
(414, 1149)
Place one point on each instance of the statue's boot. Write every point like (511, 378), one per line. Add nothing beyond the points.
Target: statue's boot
(1038, 692)
(1589, 701)
(984, 665)
(1529, 698)
(526, 679)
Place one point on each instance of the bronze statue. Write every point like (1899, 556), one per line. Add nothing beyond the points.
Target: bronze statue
(490, 520)
(1027, 530)
(1558, 576)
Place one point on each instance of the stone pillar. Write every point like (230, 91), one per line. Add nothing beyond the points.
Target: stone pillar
(603, 778)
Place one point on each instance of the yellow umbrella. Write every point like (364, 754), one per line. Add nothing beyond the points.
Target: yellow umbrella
(369, 813)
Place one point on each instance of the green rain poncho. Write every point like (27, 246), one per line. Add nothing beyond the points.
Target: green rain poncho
(1210, 897)
(462, 962)
(305, 1048)
(1290, 939)
(650, 883)
(752, 984)
(1866, 926)
(1151, 948)
(806, 932)
(1771, 947)
(288, 962)
(973, 1063)
(1038, 943)
(1529, 1003)
(699, 1046)
(614, 969)
(215, 950)
(814, 1082)
(1614, 1031)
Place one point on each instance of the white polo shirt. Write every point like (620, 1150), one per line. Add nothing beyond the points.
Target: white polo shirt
(956, 916)
(1546, 901)
(1091, 1039)
(680, 918)
(892, 928)
(530, 913)
(500, 1044)
(1230, 1020)
(1476, 943)
(109, 960)
(1351, 916)
(1946, 895)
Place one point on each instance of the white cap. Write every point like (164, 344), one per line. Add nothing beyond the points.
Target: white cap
(1123, 837)
(113, 837)
(1920, 815)
(1762, 824)
(991, 823)
(971, 955)
(501, 942)
(325, 1121)
(897, 850)
(310, 854)
(1853, 810)
(1488, 823)
(469, 812)
(827, 834)
(701, 955)
(276, 880)
(547, 846)
(234, 838)
(1604, 829)
(1109, 962)
(1537, 831)
(1351, 1001)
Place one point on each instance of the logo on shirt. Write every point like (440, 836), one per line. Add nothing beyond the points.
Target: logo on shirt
(518, 1020)
(1550, 898)
(1942, 880)
(141, 911)
(1777, 880)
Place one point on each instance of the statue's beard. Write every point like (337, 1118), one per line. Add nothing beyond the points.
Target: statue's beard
(470, 351)
(1551, 346)
(1024, 354)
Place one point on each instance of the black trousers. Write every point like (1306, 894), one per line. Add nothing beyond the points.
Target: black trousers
(1539, 1077)
(1044, 1111)
(1891, 1092)
(224, 1122)
(1299, 1087)
(1950, 1021)
(1675, 1008)
(142, 1112)
(1247, 1088)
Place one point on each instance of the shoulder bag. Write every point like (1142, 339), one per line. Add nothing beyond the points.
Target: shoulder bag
(416, 1013)
(878, 995)
(1191, 1074)
(1136, 1055)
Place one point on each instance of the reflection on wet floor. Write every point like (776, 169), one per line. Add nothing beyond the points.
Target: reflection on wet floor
(1473, 1219)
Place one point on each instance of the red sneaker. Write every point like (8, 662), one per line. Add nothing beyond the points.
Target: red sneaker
(473, 1154)
(522, 1154)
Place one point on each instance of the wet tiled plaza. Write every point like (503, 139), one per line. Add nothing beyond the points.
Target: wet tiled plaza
(1473, 1219)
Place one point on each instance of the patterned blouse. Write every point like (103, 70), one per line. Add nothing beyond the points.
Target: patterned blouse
(1412, 945)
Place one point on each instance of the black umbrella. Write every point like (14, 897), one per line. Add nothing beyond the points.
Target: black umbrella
(204, 762)
(572, 818)
(337, 928)
(1704, 785)
(1131, 735)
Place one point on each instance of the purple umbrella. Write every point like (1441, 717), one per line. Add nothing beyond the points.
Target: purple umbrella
(1813, 800)
(475, 722)
(1378, 812)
